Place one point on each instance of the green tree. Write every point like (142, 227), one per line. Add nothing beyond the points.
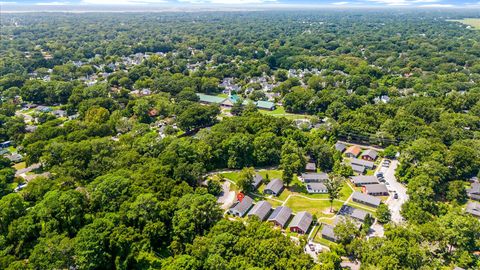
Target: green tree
(383, 213)
(334, 186)
(245, 179)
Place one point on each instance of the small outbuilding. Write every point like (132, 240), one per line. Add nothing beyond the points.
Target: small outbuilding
(363, 180)
(314, 177)
(365, 163)
(353, 151)
(369, 154)
(328, 233)
(301, 222)
(280, 216)
(316, 188)
(242, 207)
(257, 180)
(274, 187)
(261, 210)
(377, 190)
(366, 199)
(340, 147)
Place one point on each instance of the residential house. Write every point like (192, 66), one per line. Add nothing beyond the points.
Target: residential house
(358, 169)
(355, 213)
(316, 188)
(208, 99)
(328, 233)
(59, 113)
(365, 163)
(280, 216)
(340, 147)
(242, 207)
(473, 208)
(44, 109)
(257, 180)
(5, 144)
(366, 199)
(311, 167)
(474, 191)
(377, 190)
(353, 151)
(301, 222)
(261, 210)
(369, 154)
(15, 157)
(274, 187)
(265, 105)
(314, 177)
(363, 180)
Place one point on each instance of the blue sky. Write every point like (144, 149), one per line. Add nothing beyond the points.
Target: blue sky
(334, 3)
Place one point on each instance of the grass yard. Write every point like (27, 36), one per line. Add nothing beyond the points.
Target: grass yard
(280, 112)
(19, 166)
(315, 207)
(474, 22)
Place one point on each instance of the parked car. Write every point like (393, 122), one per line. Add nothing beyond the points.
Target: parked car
(380, 174)
(395, 195)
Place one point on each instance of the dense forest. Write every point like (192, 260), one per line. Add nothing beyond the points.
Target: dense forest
(120, 194)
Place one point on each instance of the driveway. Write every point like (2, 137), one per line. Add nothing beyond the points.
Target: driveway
(395, 205)
(227, 197)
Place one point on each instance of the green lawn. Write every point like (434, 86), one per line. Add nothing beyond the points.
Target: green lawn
(280, 112)
(19, 166)
(315, 207)
(474, 22)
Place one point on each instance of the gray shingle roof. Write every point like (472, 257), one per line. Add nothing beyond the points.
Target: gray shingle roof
(280, 215)
(361, 162)
(257, 180)
(357, 168)
(310, 166)
(302, 220)
(261, 210)
(371, 153)
(315, 187)
(473, 208)
(275, 185)
(366, 198)
(327, 230)
(365, 180)
(353, 212)
(377, 188)
(315, 177)
(340, 147)
(475, 188)
(243, 206)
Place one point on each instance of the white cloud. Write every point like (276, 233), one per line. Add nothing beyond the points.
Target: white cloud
(437, 6)
(55, 3)
(340, 3)
(228, 2)
(403, 2)
(122, 2)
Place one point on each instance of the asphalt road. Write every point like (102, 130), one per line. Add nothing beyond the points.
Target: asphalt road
(395, 205)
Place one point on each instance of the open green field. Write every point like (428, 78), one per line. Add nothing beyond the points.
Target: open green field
(280, 112)
(19, 166)
(474, 22)
(320, 208)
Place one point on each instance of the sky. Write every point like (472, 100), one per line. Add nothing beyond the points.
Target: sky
(270, 3)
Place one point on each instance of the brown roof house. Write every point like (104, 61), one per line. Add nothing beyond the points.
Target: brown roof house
(353, 151)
